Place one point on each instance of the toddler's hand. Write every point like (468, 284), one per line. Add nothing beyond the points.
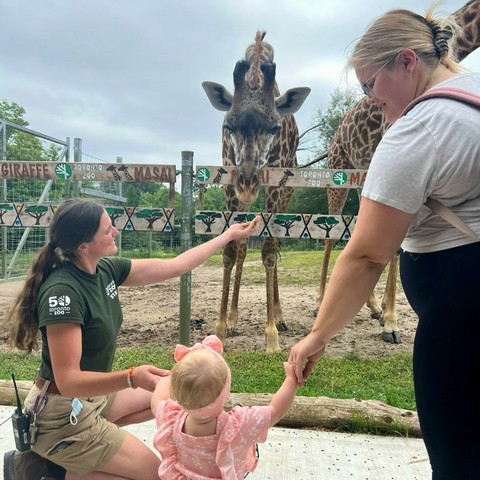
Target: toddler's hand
(289, 370)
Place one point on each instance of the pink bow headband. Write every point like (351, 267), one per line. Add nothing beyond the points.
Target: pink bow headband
(214, 344)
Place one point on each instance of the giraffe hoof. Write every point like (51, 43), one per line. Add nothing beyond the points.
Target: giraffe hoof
(391, 337)
(274, 349)
(231, 332)
(282, 326)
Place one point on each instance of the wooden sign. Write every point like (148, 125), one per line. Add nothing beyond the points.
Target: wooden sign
(279, 225)
(123, 218)
(294, 177)
(101, 172)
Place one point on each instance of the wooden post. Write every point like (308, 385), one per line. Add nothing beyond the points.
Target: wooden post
(186, 244)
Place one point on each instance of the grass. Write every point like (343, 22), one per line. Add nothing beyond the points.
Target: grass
(300, 268)
(387, 379)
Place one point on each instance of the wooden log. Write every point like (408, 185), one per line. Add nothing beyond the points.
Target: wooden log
(306, 412)
(331, 414)
(7, 392)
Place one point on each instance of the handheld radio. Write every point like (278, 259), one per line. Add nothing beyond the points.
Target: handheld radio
(21, 424)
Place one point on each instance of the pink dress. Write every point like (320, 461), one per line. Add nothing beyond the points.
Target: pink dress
(226, 455)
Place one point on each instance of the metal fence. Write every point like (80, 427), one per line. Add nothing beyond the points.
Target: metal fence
(19, 245)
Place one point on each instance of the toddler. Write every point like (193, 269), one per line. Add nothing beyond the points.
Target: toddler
(197, 440)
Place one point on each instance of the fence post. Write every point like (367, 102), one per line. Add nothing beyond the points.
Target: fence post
(3, 196)
(186, 244)
(77, 157)
(119, 192)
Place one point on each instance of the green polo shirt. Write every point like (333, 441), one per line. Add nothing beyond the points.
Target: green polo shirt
(70, 295)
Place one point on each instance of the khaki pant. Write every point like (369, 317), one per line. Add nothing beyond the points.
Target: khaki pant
(82, 448)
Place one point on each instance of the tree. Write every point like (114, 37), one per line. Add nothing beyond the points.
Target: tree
(23, 147)
(114, 213)
(36, 212)
(308, 200)
(326, 223)
(151, 215)
(328, 118)
(208, 219)
(160, 198)
(4, 208)
(287, 222)
(214, 198)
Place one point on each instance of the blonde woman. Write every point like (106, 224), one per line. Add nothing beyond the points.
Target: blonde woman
(433, 151)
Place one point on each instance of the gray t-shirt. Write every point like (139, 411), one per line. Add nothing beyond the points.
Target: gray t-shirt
(434, 150)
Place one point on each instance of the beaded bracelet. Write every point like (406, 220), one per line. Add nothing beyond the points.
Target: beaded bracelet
(129, 378)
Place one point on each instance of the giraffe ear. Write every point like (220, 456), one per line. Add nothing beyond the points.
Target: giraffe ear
(291, 101)
(219, 96)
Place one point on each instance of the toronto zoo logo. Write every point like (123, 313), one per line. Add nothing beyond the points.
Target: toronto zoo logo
(63, 171)
(59, 305)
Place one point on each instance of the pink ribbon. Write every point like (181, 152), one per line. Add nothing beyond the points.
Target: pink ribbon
(214, 344)
(211, 342)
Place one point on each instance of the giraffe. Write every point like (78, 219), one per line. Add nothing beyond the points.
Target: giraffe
(352, 147)
(124, 169)
(258, 131)
(218, 176)
(286, 174)
(113, 169)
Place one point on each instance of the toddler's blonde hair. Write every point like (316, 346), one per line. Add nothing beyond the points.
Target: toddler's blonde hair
(198, 379)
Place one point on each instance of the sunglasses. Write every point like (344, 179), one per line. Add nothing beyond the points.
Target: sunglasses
(367, 87)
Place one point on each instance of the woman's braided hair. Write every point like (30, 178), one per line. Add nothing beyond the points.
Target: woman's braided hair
(431, 37)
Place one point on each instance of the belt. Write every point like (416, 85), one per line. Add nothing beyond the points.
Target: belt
(52, 387)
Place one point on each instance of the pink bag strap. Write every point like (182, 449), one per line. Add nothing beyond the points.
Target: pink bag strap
(447, 92)
(438, 207)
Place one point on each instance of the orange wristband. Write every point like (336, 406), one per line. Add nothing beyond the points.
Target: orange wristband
(129, 378)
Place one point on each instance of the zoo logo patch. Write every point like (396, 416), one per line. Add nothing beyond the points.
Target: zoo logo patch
(111, 289)
(59, 305)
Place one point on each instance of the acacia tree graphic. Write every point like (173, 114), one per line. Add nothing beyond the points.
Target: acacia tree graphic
(4, 208)
(327, 224)
(36, 212)
(151, 215)
(244, 217)
(208, 219)
(114, 213)
(287, 222)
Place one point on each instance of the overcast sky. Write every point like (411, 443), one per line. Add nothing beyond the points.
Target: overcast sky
(125, 75)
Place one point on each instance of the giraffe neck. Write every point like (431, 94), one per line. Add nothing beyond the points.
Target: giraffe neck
(468, 17)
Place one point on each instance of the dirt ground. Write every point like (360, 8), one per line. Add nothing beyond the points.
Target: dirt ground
(151, 316)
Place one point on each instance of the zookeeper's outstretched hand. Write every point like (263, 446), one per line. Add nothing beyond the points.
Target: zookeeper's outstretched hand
(243, 230)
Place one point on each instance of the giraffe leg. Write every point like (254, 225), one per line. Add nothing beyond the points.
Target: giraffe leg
(229, 256)
(375, 309)
(336, 200)
(269, 257)
(279, 321)
(233, 314)
(390, 332)
(327, 250)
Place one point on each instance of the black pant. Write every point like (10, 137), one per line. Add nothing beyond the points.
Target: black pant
(444, 290)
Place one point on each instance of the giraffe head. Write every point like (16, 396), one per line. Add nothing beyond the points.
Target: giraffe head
(254, 120)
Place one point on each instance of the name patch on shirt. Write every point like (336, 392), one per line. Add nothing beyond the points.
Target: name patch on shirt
(111, 290)
(59, 305)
